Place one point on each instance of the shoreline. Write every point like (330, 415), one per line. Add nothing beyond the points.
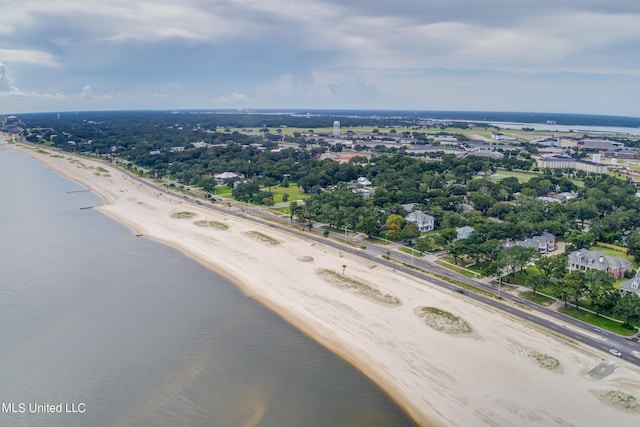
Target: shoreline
(438, 379)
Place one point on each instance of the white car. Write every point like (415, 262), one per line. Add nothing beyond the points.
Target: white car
(615, 352)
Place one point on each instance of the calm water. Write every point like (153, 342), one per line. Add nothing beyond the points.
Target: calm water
(135, 334)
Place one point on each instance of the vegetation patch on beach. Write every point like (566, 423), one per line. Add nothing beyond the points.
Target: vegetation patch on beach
(262, 237)
(544, 360)
(618, 400)
(182, 215)
(305, 258)
(356, 286)
(443, 321)
(211, 224)
(56, 156)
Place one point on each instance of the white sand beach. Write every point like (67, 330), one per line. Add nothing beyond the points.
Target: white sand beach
(502, 373)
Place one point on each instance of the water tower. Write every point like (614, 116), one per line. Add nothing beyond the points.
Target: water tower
(336, 129)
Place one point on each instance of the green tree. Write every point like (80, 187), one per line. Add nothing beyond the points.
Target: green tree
(410, 231)
(628, 307)
(599, 286)
(456, 249)
(575, 282)
(285, 197)
(515, 258)
(268, 201)
(293, 207)
(552, 266)
(579, 239)
(536, 282)
(633, 243)
(584, 210)
(562, 290)
(394, 226)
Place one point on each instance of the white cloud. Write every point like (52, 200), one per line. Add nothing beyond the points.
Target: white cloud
(5, 83)
(335, 53)
(30, 56)
(234, 100)
(86, 92)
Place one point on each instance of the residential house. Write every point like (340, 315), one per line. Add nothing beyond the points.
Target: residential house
(632, 285)
(423, 221)
(362, 191)
(544, 243)
(364, 181)
(408, 207)
(224, 177)
(464, 232)
(583, 260)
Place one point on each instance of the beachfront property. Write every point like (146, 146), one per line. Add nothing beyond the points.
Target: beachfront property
(583, 260)
(544, 243)
(464, 232)
(567, 162)
(423, 221)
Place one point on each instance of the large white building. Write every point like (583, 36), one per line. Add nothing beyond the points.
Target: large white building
(566, 162)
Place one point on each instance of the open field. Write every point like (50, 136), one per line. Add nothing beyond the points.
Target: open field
(521, 175)
(294, 192)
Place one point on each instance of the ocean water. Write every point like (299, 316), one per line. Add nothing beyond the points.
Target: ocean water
(115, 330)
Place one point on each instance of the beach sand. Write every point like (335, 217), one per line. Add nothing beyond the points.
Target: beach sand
(503, 372)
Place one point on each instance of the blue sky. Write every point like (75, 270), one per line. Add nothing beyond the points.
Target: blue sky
(570, 56)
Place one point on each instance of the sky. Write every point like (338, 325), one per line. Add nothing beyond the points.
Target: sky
(563, 56)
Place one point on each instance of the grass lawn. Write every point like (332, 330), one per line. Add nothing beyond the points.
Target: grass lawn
(524, 176)
(410, 251)
(222, 190)
(378, 241)
(462, 261)
(537, 298)
(294, 192)
(521, 277)
(521, 175)
(598, 321)
(460, 270)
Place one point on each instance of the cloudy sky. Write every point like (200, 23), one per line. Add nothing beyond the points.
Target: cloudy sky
(573, 56)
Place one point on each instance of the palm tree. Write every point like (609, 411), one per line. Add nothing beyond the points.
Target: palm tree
(344, 266)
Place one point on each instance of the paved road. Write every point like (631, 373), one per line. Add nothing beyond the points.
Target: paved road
(560, 325)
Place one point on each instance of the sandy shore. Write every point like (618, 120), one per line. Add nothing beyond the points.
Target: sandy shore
(500, 373)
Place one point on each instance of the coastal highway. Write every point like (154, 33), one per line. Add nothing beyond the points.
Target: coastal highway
(557, 323)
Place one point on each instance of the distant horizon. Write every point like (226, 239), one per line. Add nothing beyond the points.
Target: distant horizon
(571, 119)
